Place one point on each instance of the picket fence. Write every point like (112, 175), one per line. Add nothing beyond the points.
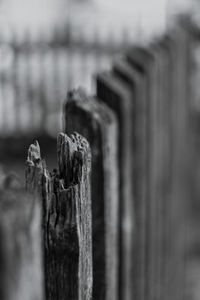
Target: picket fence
(112, 221)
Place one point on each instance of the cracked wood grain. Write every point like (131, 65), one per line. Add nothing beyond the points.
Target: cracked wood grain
(65, 194)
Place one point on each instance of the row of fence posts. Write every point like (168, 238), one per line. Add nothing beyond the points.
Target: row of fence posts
(114, 212)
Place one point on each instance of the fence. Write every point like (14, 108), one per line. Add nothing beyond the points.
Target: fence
(117, 214)
(35, 73)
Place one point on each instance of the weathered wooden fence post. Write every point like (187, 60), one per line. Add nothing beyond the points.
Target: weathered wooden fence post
(191, 49)
(159, 168)
(67, 217)
(162, 150)
(98, 124)
(116, 94)
(136, 82)
(182, 150)
(21, 268)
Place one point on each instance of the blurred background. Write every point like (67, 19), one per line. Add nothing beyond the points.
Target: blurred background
(50, 46)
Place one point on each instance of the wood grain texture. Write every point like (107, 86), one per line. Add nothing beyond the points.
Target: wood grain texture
(21, 267)
(97, 123)
(117, 95)
(67, 217)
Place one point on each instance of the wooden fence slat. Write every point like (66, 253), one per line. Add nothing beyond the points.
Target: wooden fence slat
(191, 50)
(117, 96)
(21, 268)
(144, 60)
(164, 175)
(137, 83)
(98, 124)
(181, 137)
(67, 217)
(162, 151)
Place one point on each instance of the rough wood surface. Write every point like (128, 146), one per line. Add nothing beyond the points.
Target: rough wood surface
(65, 194)
(21, 267)
(98, 124)
(117, 95)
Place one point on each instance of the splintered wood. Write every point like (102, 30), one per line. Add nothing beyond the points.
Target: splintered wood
(65, 195)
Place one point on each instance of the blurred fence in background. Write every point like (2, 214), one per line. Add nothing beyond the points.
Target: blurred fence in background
(36, 72)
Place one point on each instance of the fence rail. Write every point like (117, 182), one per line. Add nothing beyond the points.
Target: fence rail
(117, 214)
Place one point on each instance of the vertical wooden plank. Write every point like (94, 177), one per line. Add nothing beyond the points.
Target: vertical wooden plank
(143, 59)
(67, 217)
(98, 124)
(152, 63)
(160, 49)
(177, 195)
(163, 145)
(163, 160)
(191, 33)
(178, 136)
(117, 95)
(21, 268)
(137, 82)
(181, 150)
